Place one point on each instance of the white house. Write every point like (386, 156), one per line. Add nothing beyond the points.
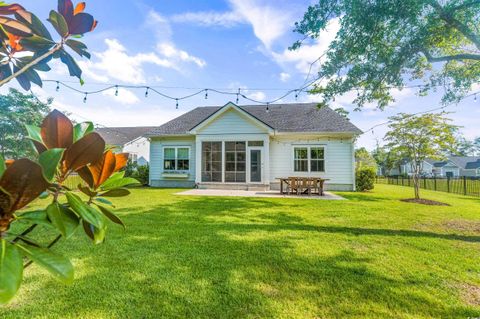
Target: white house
(130, 140)
(452, 166)
(250, 147)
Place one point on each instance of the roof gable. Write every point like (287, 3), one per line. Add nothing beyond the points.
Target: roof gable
(122, 135)
(233, 119)
(283, 118)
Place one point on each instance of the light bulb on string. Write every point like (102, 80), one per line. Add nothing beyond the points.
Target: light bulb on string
(268, 107)
(206, 94)
(238, 96)
(146, 92)
(176, 106)
(58, 87)
(475, 98)
(85, 98)
(116, 90)
(296, 95)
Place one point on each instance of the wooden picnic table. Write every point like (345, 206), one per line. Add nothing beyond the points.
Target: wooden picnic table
(310, 182)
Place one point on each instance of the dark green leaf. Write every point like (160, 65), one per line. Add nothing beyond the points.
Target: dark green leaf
(78, 47)
(15, 27)
(110, 215)
(3, 167)
(118, 192)
(116, 183)
(22, 79)
(99, 235)
(35, 24)
(5, 71)
(72, 65)
(57, 265)
(59, 23)
(104, 201)
(85, 211)
(35, 217)
(49, 161)
(11, 271)
(82, 129)
(34, 133)
(35, 43)
(88, 230)
(63, 219)
(86, 191)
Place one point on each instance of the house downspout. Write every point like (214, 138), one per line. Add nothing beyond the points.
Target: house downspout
(353, 165)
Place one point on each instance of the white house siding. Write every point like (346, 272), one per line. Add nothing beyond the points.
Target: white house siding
(339, 158)
(139, 147)
(156, 161)
(232, 122)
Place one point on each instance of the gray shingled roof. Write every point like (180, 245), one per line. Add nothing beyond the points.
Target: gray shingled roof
(473, 165)
(122, 135)
(295, 117)
(464, 162)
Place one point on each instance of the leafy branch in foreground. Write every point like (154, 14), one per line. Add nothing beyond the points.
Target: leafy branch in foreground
(28, 47)
(382, 44)
(63, 149)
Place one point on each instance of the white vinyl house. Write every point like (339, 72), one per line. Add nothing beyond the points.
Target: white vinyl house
(250, 147)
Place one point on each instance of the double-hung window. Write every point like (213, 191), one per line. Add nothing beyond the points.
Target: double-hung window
(176, 158)
(309, 159)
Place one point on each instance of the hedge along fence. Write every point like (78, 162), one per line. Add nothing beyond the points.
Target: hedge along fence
(469, 186)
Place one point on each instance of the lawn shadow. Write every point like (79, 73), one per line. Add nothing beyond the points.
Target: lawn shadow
(198, 258)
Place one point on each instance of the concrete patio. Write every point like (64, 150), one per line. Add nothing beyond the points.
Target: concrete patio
(265, 194)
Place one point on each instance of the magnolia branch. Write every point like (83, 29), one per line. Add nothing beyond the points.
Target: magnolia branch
(32, 63)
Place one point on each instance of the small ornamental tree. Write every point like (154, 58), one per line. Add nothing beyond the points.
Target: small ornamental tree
(63, 149)
(417, 138)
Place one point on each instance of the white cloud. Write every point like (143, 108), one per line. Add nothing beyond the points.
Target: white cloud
(124, 96)
(284, 77)
(258, 95)
(169, 51)
(210, 18)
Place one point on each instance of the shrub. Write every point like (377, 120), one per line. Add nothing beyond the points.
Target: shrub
(365, 178)
(141, 174)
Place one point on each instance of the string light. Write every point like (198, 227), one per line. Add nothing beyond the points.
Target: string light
(116, 90)
(58, 87)
(238, 96)
(206, 94)
(176, 106)
(146, 92)
(296, 95)
(85, 98)
(475, 98)
(268, 107)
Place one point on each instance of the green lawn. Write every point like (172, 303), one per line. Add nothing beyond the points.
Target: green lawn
(198, 257)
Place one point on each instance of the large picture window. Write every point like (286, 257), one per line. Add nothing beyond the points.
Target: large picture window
(211, 161)
(235, 162)
(309, 159)
(176, 158)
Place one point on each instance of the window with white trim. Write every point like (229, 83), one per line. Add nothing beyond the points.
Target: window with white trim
(176, 158)
(309, 159)
(478, 171)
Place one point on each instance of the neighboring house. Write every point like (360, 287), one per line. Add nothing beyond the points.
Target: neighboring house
(247, 147)
(452, 166)
(130, 140)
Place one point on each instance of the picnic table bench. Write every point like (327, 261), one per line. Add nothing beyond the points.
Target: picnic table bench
(302, 185)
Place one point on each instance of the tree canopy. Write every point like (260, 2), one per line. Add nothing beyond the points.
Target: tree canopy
(384, 44)
(16, 111)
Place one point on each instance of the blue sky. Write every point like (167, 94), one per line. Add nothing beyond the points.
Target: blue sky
(206, 44)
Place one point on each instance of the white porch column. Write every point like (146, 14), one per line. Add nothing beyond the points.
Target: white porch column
(266, 160)
(198, 160)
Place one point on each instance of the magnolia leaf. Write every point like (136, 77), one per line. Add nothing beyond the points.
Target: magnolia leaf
(35, 24)
(34, 133)
(103, 168)
(57, 130)
(15, 27)
(82, 129)
(5, 71)
(82, 23)
(110, 215)
(117, 192)
(11, 271)
(49, 161)
(88, 229)
(108, 185)
(120, 161)
(57, 265)
(22, 79)
(35, 217)
(35, 43)
(70, 62)
(78, 47)
(59, 23)
(86, 191)
(86, 212)
(3, 166)
(63, 219)
(104, 201)
(99, 235)
(87, 150)
(24, 181)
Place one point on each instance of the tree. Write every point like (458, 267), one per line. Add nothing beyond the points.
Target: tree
(417, 138)
(476, 146)
(363, 158)
(17, 110)
(63, 149)
(464, 147)
(382, 44)
(28, 47)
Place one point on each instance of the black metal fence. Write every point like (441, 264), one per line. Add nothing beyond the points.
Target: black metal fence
(469, 186)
